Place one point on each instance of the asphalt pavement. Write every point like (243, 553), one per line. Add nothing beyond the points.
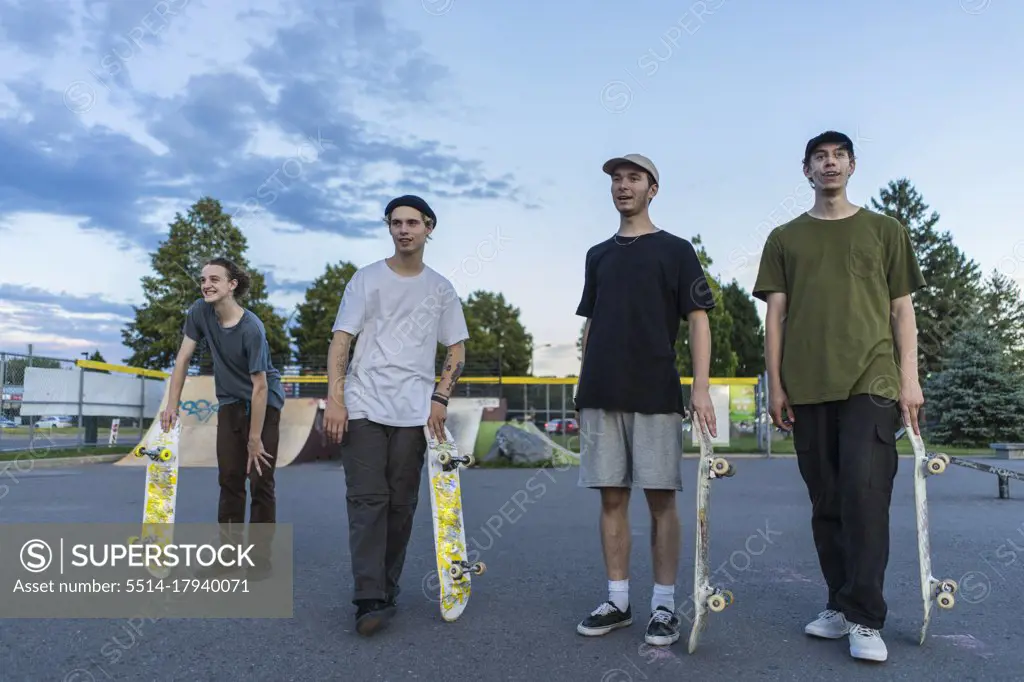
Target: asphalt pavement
(538, 533)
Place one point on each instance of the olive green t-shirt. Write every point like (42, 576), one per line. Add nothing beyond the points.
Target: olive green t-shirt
(839, 277)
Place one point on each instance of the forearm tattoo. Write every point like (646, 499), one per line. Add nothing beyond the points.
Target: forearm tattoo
(451, 374)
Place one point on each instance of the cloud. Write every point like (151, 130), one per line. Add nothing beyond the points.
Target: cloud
(166, 102)
(114, 116)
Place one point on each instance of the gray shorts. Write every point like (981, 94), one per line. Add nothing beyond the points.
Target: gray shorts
(622, 450)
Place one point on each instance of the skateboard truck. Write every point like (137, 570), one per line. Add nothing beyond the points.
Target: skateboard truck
(446, 459)
(722, 468)
(944, 591)
(936, 464)
(719, 599)
(162, 454)
(459, 568)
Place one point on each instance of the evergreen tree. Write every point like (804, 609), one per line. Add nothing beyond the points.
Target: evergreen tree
(204, 233)
(953, 282)
(1003, 311)
(977, 398)
(315, 317)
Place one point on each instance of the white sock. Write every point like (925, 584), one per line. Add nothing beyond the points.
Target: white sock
(618, 593)
(663, 596)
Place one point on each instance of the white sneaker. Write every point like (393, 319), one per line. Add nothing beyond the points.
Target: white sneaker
(829, 624)
(866, 643)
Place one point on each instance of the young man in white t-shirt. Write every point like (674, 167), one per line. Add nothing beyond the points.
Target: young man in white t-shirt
(377, 407)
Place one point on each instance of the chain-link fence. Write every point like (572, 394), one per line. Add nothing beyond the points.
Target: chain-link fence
(49, 403)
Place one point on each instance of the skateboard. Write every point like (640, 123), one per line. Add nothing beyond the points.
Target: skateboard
(942, 591)
(453, 570)
(705, 595)
(161, 491)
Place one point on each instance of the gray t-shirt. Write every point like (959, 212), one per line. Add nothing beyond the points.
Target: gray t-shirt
(238, 352)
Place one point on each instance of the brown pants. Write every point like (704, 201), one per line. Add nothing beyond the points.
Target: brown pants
(232, 458)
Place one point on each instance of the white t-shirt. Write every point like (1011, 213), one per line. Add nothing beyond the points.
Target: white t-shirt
(399, 321)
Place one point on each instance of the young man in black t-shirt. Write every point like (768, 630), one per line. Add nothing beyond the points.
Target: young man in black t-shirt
(638, 286)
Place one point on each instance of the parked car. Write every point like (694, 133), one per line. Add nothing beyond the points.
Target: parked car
(565, 426)
(51, 422)
(6, 423)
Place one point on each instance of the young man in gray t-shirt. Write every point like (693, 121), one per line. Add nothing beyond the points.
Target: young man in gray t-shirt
(400, 309)
(249, 396)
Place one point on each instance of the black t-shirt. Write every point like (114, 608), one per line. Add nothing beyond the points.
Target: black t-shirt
(635, 294)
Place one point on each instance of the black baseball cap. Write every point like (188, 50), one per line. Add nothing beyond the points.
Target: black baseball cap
(828, 137)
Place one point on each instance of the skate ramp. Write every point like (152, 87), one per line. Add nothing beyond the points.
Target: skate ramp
(464, 416)
(197, 412)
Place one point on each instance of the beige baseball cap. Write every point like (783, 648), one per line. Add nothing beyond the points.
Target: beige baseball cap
(636, 159)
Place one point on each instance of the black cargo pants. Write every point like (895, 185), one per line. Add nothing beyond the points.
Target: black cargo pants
(846, 453)
(383, 467)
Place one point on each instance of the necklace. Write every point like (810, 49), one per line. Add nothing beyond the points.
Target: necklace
(616, 237)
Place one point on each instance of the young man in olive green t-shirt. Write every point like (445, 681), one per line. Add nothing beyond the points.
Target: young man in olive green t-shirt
(841, 353)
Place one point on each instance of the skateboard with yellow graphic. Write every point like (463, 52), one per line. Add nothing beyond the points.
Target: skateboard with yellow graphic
(161, 491)
(453, 568)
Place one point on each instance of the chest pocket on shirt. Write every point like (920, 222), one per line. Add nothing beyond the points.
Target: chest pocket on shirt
(865, 262)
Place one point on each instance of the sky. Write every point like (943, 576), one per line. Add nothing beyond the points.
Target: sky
(304, 117)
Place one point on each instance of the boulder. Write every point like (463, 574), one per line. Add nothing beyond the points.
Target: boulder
(513, 445)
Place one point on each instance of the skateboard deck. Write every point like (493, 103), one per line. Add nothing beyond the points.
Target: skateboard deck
(705, 595)
(161, 491)
(453, 568)
(928, 464)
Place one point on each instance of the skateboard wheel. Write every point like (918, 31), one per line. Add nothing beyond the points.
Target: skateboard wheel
(716, 603)
(443, 458)
(720, 466)
(936, 465)
(949, 586)
(944, 457)
(945, 600)
(138, 451)
(479, 568)
(470, 460)
(728, 597)
(455, 571)
(165, 455)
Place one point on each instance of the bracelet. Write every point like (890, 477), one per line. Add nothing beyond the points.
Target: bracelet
(438, 398)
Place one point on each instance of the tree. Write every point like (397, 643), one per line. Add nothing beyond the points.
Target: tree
(493, 321)
(977, 397)
(724, 360)
(316, 314)
(15, 368)
(1003, 312)
(953, 282)
(205, 232)
(747, 340)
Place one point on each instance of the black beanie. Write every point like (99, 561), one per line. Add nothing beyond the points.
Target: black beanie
(411, 201)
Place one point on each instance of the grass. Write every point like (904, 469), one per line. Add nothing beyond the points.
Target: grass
(55, 431)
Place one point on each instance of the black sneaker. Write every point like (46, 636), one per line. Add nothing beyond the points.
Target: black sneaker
(663, 628)
(372, 615)
(604, 619)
